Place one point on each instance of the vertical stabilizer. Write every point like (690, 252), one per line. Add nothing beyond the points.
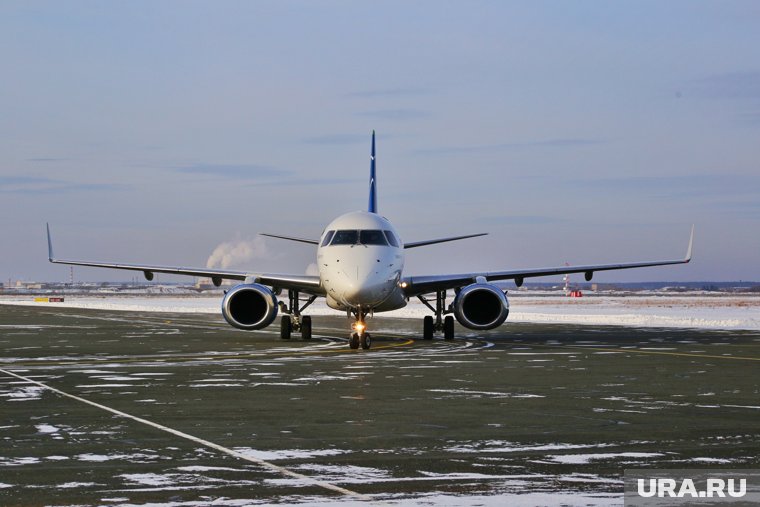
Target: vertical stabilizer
(372, 181)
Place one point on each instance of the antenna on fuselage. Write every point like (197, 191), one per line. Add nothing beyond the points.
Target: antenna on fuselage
(372, 208)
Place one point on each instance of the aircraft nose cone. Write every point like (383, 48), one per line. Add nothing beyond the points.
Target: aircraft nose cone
(365, 286)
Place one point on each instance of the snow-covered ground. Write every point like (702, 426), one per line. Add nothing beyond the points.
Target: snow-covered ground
(691, 310)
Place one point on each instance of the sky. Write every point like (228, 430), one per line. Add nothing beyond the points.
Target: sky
(578, 132)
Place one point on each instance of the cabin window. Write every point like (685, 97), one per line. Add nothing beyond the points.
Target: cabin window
(328, 237)
(372, 238)
(391, 238)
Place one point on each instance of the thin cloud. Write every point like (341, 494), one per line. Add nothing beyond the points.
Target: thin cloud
(235, 171)
(337, 139)
(741, 87)
(521, 220)
(295, 182)
(389, 92)
(735, 85)
(740, 209)
(689, 186)
(35, 185)
(750, 118)
(484, 148)
(6, 181)
(395, 114)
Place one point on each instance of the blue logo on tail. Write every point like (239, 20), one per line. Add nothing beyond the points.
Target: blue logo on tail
(372, 182)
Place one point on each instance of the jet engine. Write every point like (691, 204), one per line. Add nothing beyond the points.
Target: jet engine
(249, 306)
(481, 306)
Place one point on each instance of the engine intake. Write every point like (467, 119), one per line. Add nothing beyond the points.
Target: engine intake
(249, 306)
(481, 306)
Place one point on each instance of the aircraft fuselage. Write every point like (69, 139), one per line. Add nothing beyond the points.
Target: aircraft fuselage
(361, 259)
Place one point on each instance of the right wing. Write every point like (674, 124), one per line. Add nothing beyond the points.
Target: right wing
(417, 285)
(305, 283)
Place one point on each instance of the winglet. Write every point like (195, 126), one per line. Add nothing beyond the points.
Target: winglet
(691, 244)
(50, 243)
(372, 208)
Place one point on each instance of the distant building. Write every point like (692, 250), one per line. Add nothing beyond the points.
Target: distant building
(208, 283)
(20, 284)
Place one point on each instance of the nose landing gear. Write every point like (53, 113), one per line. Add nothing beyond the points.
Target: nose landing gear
(360, 336)
(364, 340)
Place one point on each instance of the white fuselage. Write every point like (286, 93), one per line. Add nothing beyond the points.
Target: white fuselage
(360, 259)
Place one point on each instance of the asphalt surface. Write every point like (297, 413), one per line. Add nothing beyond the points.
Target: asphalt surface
(123, 408)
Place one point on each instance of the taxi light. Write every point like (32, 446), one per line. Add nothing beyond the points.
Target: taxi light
(359, 327)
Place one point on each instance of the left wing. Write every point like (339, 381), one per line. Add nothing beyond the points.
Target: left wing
(416, 285)
(305, 283)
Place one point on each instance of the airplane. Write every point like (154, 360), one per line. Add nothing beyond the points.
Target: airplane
(360, 257)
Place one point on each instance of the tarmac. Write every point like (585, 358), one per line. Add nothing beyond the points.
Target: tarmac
(134, 408)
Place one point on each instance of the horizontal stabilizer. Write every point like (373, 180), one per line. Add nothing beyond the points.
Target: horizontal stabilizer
(441, 240)
(290, 238)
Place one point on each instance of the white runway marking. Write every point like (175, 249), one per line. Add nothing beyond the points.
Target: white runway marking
(206, 443)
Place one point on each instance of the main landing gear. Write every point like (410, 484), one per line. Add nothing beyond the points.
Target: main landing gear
(360, 336)
(293, 320)
(430, 326)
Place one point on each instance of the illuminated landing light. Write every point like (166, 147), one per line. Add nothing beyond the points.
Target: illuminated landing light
(403, 285)
(359, 327)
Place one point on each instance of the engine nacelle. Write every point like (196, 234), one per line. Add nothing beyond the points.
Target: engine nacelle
(249, 306)
(481, 306)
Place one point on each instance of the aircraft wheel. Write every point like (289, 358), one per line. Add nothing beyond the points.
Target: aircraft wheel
(366, 341)
(306, 328)
(448, 328)
(286, 327)
(427, 327)
(354, 341)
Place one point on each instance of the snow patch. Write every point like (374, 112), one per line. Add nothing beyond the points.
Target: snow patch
(653, 310)
(584, 459)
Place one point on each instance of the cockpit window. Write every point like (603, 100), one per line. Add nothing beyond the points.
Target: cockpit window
(353, 237)
(328, 237)
(391, 238)
(372, 238)
(345, 238)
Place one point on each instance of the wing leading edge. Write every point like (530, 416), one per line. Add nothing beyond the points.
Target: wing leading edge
(305, 283)
(416, 285)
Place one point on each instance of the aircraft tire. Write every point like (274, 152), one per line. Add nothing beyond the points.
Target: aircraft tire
(366, 341)
(306, 328)
(448, 328)
(286, 327)
(353, 342)
(427, 327)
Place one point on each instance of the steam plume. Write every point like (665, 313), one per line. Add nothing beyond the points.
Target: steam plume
(237, 252)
